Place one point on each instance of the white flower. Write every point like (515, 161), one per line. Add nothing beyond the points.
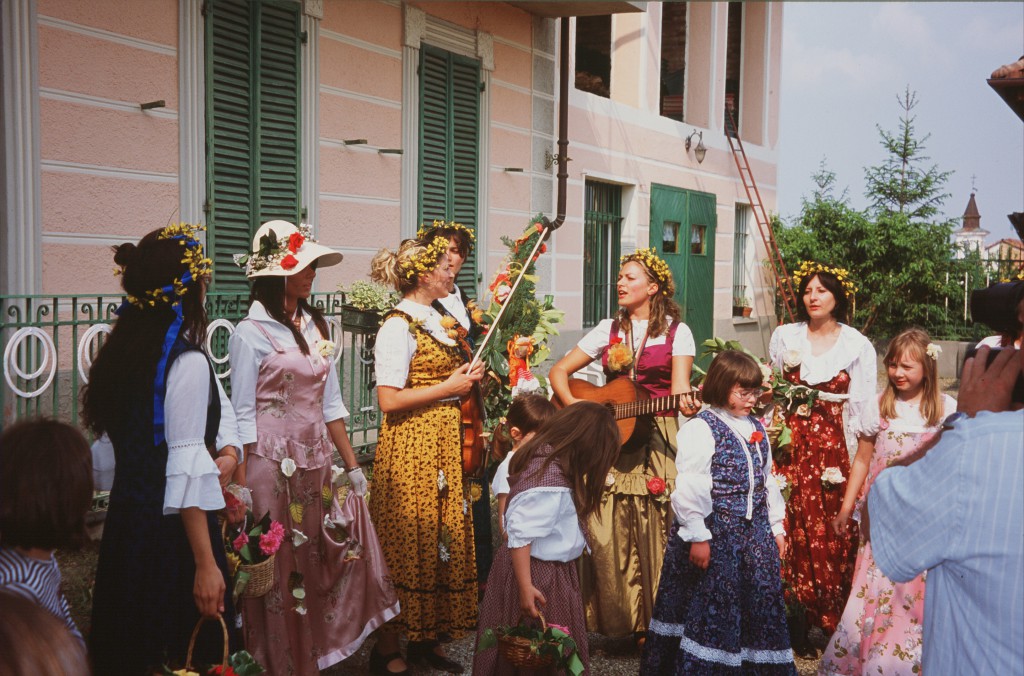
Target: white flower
(298, 537)
(781, 480)
(465, 506)
(443, 553)
(933, 351)
(328, 524)
(442, 483)
(791, 359)
(325, 348)
(288, 467)
(766, 373)
(336, 474)
(501, 293)
(301, 610)
(609, 480)
(832, 476)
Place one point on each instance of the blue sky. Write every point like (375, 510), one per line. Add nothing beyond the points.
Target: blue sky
(844, 64)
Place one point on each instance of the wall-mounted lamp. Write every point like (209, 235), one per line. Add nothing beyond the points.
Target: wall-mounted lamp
(551, 160)
(700, 151)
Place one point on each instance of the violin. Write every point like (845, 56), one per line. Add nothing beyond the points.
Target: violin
(474, 447)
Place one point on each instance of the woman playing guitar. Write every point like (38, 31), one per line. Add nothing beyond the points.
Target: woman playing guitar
(647, 343)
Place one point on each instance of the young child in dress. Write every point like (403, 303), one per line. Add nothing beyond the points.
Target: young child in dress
(45, 492)
(881, 627)
(525, 415)
(719, 607)
(556, 481)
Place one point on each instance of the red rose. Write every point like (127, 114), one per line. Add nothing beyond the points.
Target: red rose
(756, 436)
(296, 241)
(655, 485)
(543, 248)
(289, 262)
(615, 340)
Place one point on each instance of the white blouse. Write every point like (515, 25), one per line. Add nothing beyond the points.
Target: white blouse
(910, 421)
(499, 484)
(193, 479)
(691, 499)
(248, 348)
(396, 343)
(545, 518)
(853, 353)
(597, 339)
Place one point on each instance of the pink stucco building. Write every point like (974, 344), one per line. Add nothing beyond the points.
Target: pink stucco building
(365, 118)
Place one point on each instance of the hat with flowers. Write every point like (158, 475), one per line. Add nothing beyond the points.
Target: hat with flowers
(282, 249)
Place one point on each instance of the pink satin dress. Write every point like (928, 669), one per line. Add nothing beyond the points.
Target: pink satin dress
(342, 568)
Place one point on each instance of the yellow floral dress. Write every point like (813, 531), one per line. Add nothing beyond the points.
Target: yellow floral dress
(419, 505)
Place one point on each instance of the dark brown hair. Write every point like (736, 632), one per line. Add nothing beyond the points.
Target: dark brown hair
(33, 641)
(270, 292)
(585, 443)
(527, 412)
(461, 237)
(834, 286)
(125, 366)
(729, 368)
(45, 485)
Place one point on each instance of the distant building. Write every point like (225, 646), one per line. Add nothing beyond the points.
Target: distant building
(970, 237)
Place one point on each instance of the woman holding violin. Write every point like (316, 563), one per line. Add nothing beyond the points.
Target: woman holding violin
(646, 342)
(418, 502)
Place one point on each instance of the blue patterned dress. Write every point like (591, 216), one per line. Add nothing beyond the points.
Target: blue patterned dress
(730, 618)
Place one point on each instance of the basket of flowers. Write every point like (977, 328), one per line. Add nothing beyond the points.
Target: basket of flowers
(251, 547)
(527, 646)
(240, 663)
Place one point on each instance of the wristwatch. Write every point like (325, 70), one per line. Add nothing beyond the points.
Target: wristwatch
(953, 418)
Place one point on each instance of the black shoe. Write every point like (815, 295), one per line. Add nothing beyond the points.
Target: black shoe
(422, 652)
(379, 663)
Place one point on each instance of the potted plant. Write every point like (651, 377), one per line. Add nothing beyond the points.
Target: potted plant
(741, 306)
(365, 304)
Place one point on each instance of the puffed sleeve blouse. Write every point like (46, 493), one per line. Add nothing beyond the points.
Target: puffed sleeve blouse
(545, 518)
(691, 499)
(853, 353)
(396, 344)
(596, 340)
(193, 479)
(248, 348)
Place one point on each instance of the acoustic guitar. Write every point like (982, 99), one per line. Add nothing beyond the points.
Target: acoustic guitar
(626, 401)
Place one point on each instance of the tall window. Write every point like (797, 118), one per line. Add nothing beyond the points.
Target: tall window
(601, 236)
(733, 64)
(450, 144)
(673, 59)
(594, 54)
(740, 290)
(252, 125)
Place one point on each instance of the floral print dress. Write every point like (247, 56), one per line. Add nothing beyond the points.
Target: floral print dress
(881, 629)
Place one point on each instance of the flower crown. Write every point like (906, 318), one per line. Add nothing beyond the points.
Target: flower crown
(656, 265)
(426, 260)
(199, 266)
(426, 230)
(810, 268)
(275, 250)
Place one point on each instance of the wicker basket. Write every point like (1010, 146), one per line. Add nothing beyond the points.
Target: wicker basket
(518, 651)
(261, 577)
(195, 633)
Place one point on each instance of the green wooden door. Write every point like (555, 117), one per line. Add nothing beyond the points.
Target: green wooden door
(682, 231)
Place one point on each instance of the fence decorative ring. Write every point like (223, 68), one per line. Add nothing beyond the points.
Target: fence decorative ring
(85, 349)
(49, 358)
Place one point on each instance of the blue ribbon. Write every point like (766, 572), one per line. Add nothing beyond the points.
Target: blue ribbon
(160, 384)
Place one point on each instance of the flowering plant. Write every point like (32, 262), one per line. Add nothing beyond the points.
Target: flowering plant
(832, 477)
(369, 296)
(552, 641)
(255, 541)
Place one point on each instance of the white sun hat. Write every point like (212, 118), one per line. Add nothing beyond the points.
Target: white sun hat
(280, 249)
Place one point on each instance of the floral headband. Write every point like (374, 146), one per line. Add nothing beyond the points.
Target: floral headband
(657, 267)
(431, 230)
(426, 260)
(199, 266)
(810, 268)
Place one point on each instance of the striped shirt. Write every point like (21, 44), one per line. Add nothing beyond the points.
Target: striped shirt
(959, 514)
(37, 581)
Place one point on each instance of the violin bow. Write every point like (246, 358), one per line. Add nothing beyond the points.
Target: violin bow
(549, 227)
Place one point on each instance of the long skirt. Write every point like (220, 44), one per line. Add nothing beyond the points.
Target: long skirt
(728, 619)
(558, 581)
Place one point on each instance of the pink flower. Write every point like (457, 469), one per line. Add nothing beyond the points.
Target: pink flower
(559, 627)
(270, 541)
(240, 541)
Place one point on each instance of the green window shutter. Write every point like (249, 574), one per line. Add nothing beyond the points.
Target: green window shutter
(449, 156)
(252, 126)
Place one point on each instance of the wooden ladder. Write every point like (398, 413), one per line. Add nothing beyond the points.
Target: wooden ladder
(783, 283)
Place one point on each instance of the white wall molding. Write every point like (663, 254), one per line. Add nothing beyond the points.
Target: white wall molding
(191, 113)
(110, 36)
(22, 215)
(108, 171)
(53, 94)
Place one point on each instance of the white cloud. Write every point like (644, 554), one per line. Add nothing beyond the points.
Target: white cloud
(906, 27)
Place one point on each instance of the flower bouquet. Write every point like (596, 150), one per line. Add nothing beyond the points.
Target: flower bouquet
(241, 663)
(251, 546)
(532, 647)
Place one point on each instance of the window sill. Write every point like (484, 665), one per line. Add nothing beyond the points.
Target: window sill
(744, 320)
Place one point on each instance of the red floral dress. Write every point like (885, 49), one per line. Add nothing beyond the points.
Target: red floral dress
(819, 564)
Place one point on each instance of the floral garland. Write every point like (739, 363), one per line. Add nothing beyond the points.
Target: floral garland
(275, 251)
(199, 266)
(810, 268)
(657, 267)
(426, 260)
(431, 230)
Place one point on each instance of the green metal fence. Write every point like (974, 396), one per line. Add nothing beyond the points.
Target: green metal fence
(48, 342)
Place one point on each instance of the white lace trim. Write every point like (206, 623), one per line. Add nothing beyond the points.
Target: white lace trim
(751, 655)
